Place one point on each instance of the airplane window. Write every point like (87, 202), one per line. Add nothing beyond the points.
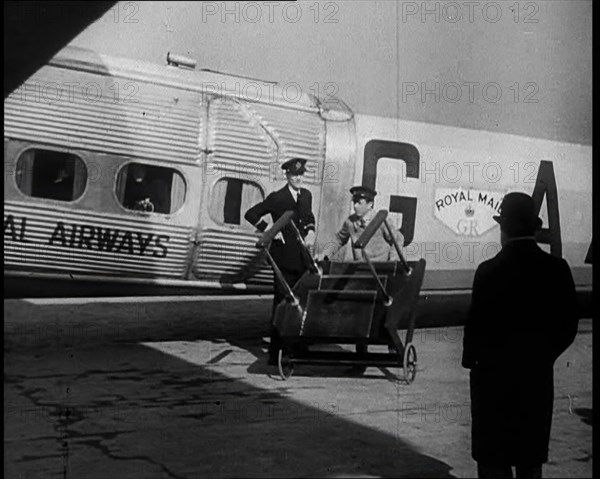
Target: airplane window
(231, 198)
(153, 189)
(55, 175)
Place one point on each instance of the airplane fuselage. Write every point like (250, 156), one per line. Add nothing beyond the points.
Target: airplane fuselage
(211, 146)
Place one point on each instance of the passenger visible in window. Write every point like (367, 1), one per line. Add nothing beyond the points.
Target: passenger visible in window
(54, 175)
(62, 186)
(141, 193)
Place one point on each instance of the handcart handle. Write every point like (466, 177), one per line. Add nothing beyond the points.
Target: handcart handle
(379, 219)
(313, 264)
(290, 296)
(268, 235)
(363, 241)
(264, 242)
(371, 228)
(387, 299)
(403, 262)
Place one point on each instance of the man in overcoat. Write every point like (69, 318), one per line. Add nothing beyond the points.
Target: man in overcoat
(285, 248)
(523, 316)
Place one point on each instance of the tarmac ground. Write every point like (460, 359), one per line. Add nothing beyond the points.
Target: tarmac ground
(152, 388)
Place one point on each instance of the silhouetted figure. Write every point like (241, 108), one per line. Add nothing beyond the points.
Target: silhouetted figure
(285, 249)
(523, 316)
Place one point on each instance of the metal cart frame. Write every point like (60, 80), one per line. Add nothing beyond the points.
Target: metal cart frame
(360, 303)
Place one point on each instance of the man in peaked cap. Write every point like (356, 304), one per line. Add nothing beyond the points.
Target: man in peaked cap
(523, 316)
(286, 251)
(381, 247)
(295, 166)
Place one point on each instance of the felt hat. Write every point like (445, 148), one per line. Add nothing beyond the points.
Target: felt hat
(517, 215)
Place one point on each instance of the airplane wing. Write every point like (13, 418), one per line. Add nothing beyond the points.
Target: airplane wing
(35, 31)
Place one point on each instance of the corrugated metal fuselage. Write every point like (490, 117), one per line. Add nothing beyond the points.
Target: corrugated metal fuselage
(226, 137)
(208, 127)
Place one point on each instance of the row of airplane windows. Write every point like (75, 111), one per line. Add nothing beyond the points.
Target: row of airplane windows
(62, 176)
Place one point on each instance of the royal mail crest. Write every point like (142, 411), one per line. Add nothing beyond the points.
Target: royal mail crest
(467, 212)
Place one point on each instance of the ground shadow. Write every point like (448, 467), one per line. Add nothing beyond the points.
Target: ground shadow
(585, 414)
(260, 366)
(129, 410)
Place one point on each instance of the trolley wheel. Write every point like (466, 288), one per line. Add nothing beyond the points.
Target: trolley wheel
(410, 363)
(286, 367)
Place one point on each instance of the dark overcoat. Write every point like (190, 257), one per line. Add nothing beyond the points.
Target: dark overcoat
(288, 255)
(523, 316)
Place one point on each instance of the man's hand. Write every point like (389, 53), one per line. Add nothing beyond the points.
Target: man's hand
(321, 258)
(279, 237)
(144, 205)
(263, 226)
(309, 241)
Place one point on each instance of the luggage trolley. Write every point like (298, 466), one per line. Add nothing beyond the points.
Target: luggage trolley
(360, 303)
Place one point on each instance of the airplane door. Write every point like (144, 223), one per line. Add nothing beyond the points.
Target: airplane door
(235, 174)
(246, 143)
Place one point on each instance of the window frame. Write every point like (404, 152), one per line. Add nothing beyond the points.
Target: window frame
(242, 219)
(55, 149)
(122, 207)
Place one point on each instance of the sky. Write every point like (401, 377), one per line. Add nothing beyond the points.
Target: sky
(523, 67)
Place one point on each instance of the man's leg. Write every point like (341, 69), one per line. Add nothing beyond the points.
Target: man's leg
(494, 471)
(529, 471)
(275, 340)
(278, 295)
(361, 350)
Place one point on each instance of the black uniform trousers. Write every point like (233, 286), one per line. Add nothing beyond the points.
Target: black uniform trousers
(287, 254)
(291, 278)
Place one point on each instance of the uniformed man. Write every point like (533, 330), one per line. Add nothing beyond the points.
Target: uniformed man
(285, 248)
(381, 246)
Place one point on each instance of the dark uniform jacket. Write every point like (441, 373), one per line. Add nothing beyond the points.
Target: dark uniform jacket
(523, 316)
(288, 255)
